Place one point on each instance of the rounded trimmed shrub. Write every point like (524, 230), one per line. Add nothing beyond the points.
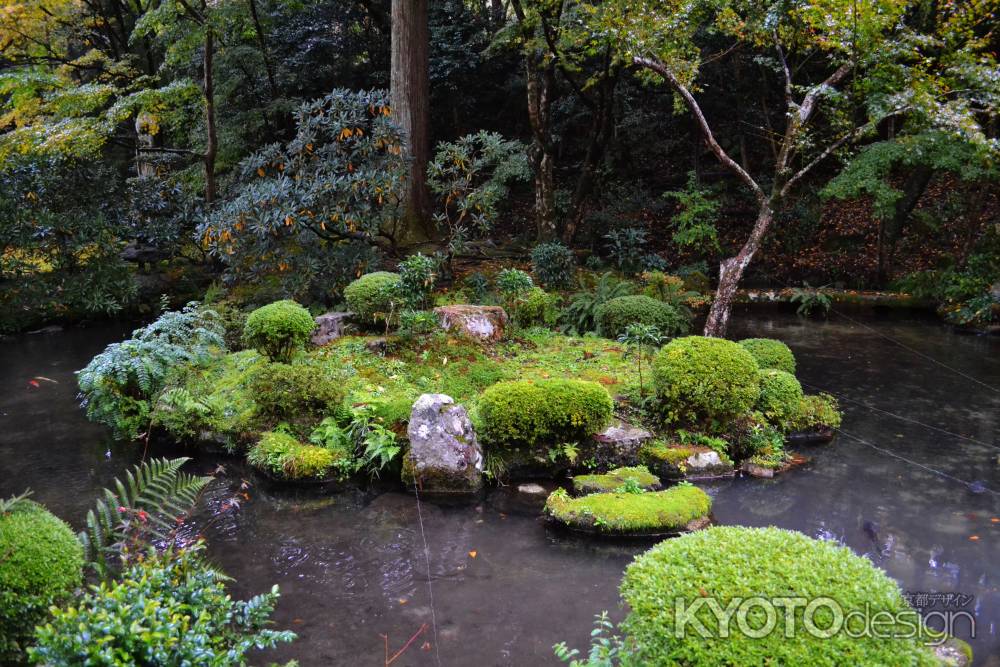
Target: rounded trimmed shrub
(614, 315)
(370, 297)
(41, 562)
(553, 264)
(703, 380)
(278, 329)
(543, 411)
(770, 353)
(536, 308)
(780, 396)
(730, 563)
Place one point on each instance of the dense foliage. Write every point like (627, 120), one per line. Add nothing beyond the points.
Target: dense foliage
(615, 315)
(728, 563)
(705, 381)
(119, 386)
(780, 397)
(170, 609)
(284, 457)
(278, 329)
(41, 565)
(553, 264)
(543, 411)
(374, 297)
(770, 353)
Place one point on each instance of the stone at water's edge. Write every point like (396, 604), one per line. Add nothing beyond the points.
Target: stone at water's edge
(484, 323)
(329, 327)
(619, 444)
(444, 455)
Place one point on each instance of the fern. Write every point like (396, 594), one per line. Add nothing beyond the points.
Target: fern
(145, 508)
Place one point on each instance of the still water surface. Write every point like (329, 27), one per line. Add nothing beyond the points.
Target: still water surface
(351, 567)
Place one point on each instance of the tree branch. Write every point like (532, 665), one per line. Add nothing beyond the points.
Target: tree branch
(706, 130)
(812, 97)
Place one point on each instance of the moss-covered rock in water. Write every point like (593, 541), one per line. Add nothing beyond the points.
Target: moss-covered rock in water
(676, 510)
(675, 461)
(636, 477)
(41, 562)
(444, 455)
(743, 565)
(282, 457)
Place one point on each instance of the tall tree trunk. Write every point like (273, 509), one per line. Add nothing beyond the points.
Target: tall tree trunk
(211, 142)
(540, 84)
(409, 83)
(731, 272)
(262, 45)
(914, 188)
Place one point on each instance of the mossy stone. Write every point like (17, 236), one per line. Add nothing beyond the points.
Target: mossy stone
(657, 513)
(615, 479)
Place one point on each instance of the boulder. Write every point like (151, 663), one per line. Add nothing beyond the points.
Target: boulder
(676, 461)
(444, 456)
(330, 326)
(619, 445)
(483, 323)
(676, 510)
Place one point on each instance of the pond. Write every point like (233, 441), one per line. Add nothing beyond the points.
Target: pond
(912, 483)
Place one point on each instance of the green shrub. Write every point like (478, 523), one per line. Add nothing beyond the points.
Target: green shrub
(374, 296)
(666, 288)
(553, 264)
(166, 610)
(780, 397)
(512, 284)
(580, 316)
(615, 315)
(705, 380)
(417, 274)
(283, 456)
(737, 563)
(544, 411)
(817, 411)
(297, 392)
(770, 353)
(536, 308)
(631, 513)
(416, 323)
(41, 562)
(278, 329)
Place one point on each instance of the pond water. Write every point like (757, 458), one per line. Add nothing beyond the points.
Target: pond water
(919, 499)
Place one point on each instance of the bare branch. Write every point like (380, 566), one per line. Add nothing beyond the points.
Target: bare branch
(692, 105)
(812, 97)
(784, 68)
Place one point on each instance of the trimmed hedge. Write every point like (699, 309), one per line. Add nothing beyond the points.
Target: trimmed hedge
(543, 411)
(614, 315)
(770, 353)
(780, 397)
(41, 562)
(370, 297)
(278, 329)
(729, 563)
(705, 380)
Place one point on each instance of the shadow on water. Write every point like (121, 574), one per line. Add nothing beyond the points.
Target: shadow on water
(351, 567)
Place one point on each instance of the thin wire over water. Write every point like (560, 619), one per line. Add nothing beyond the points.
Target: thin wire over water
(430, 586)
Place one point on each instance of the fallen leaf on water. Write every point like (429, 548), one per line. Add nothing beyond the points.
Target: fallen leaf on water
(473, 554)
(42, 377)
(34, 383)
(403, 600)
(974, 538)
(297, 620)
(994, 520)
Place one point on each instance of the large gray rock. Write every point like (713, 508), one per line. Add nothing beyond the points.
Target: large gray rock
(483, 323)
(444, 455)
(330, 326)
(619, 444)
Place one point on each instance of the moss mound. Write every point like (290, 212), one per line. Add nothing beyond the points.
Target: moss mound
(543, 411)
(615, 315)
(41, 562)
(278, 329)
(283, 457)
(817, 412)
(727, 563)
(770, 353)
(705, 380)
(631, 514)
(636, 477)
(370, 296)
(780, 397)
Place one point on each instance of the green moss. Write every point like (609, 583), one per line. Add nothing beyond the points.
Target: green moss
(780, 397)
(370, 297)
(615, 479)
(736, 563)
(543, 411)
(657, 452)
(614, 315)
(650, 513)
(536, 308)
(302, 392)
(278, 329)
(41, 562)
(705, 381)
(283, 456)
(770, 353)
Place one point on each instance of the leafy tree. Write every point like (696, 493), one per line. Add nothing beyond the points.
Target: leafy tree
(853, 64)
